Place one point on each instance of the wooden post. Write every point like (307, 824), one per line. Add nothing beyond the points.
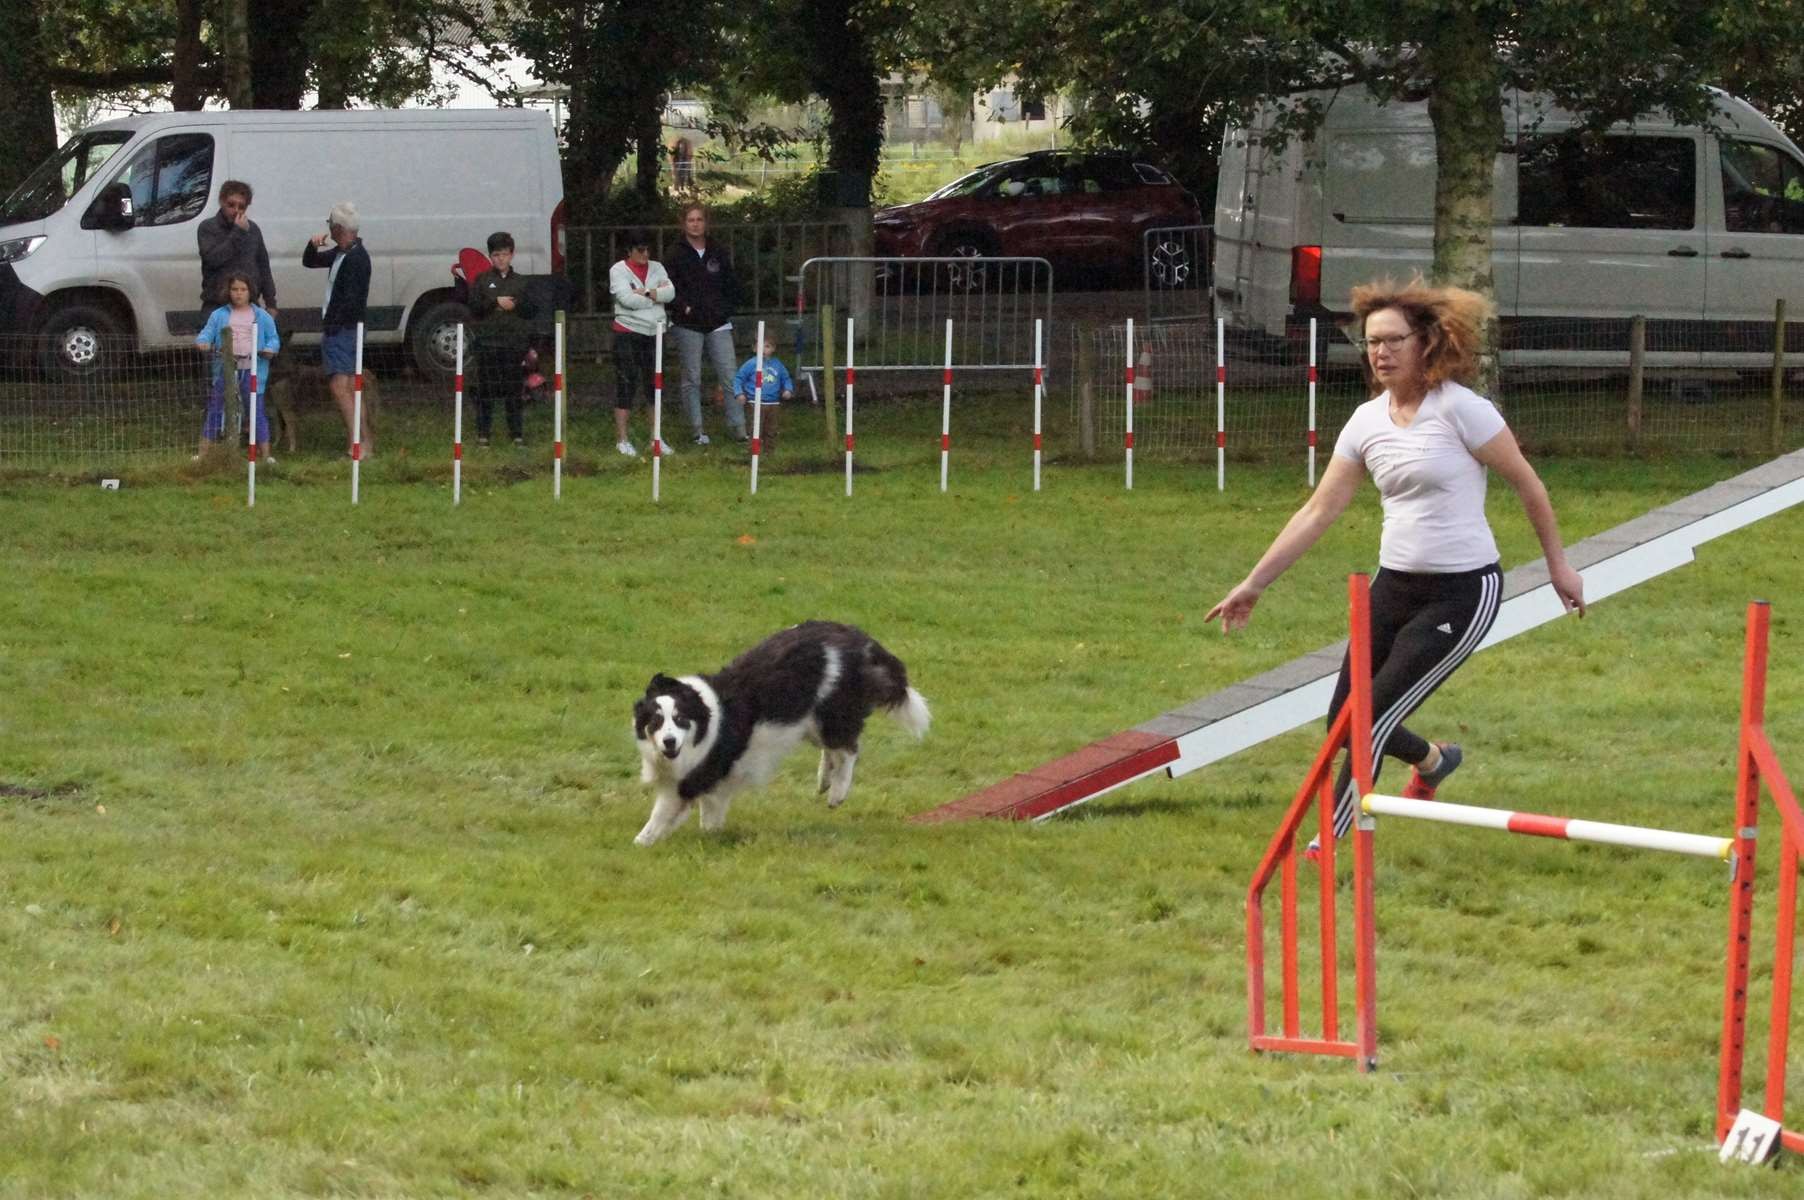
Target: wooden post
(1086, 389)
(1637, 357)
(1776, 411)
(829, 362)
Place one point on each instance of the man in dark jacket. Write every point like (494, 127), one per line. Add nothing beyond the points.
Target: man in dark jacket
(706, 293)
(231, 242)
(347, 297)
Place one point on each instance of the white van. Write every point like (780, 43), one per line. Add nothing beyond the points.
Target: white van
(98, 247)
(1697, 230)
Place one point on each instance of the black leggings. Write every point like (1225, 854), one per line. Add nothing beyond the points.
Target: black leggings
(499, 376)
(1423, 627)
(633, 363)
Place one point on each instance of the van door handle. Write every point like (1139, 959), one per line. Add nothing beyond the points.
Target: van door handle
(1682, 252)
(1737, 252)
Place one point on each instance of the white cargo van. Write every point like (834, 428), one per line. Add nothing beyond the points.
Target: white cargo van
(1697, 230)
(98, 247)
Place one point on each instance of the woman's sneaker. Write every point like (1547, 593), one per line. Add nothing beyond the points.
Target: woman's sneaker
(626, 449)
(1420, 786)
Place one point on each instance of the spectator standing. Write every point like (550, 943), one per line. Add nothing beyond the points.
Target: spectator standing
(682, 164)
(777, 387)
(347, 267)
(641, 289)
(502, 336)
(230, 241)
(236, 321)
(707, 292)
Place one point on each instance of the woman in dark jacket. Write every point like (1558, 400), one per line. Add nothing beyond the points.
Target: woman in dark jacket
(347, 267)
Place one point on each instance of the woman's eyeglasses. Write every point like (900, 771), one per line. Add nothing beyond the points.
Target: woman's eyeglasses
(1393, 342)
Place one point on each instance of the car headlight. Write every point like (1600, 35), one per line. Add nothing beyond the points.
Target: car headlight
(14, 249)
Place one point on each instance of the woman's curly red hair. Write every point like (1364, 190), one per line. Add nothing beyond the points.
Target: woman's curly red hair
(1452, 321)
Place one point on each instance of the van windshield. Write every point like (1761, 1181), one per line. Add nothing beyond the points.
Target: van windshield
(61, 175)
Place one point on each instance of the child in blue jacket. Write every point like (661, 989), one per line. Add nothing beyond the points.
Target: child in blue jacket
(240, 316)
(778, 386)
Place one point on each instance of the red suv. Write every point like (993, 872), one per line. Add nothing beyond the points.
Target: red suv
(1086, 212)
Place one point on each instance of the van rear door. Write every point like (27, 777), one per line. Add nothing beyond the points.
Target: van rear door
(1611, 228)
(1757, 251)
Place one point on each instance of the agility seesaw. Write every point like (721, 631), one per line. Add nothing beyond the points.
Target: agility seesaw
(1746, 1134)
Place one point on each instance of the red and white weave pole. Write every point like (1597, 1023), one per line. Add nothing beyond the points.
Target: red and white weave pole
(851, 384)
(557, 409)
(457, 423)
(657, 408)
(1221, 405)
(758, 409)
(229, 370)
(357, 419)
(1312, 379)
(946, 409)
(1039, 395)
(1127, 439)
(1569, 829)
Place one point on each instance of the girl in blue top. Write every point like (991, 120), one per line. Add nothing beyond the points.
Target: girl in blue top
(240, 316)
(778, 386)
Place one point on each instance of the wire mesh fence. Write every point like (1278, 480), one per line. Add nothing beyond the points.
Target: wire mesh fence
(1599, 396)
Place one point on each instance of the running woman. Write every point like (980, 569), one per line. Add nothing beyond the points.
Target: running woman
(1425, 439)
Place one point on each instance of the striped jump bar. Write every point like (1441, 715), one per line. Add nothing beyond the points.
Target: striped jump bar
(1534, 825)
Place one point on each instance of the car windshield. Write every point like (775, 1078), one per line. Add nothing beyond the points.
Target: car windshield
(61, 175)
(968, 185)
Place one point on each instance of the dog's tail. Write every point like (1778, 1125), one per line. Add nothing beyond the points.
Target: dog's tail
(912, 713)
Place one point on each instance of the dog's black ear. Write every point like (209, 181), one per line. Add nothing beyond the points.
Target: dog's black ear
(660, 682)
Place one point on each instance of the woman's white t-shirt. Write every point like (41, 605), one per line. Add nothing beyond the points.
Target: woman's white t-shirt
(1433, 489)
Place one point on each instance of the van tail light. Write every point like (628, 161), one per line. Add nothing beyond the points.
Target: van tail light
(1306, 275)
(558, 218)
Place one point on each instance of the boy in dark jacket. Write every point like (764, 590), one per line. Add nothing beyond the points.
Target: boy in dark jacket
(502, 335)
(702, 316)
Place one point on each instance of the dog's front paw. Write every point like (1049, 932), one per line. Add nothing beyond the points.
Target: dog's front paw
(646, 838)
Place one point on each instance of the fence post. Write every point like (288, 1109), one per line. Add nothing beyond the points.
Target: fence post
(1086, 390)
(829, 361)
(1637, 356)
(1776, 413)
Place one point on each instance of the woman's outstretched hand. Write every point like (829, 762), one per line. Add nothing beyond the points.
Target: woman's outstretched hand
(1569, 586)
(1236, 608)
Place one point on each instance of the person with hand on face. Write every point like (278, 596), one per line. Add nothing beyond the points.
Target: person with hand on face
(347, 266)
(1426, 440)
(230, 241)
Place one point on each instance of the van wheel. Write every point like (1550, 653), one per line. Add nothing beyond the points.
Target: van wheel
(432, 338)
(81, 341)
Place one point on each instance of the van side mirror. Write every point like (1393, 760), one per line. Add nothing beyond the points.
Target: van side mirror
(112, 209)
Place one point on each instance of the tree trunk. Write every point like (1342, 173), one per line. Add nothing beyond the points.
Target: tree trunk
(28, 136)
(843, 72)
(650, 156)
(279, 52)
(185, 92)
(237, 52)
(1466, 108)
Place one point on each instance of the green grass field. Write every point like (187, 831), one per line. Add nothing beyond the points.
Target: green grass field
(318, 875)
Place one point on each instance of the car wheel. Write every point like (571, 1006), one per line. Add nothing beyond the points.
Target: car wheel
(1170, 263)
(965, 243)
(81, 341)
(432, 339)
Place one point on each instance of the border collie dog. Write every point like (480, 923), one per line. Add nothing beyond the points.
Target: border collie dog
(705, 738)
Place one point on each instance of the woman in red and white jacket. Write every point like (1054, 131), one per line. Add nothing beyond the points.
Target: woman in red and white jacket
(641, 289)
